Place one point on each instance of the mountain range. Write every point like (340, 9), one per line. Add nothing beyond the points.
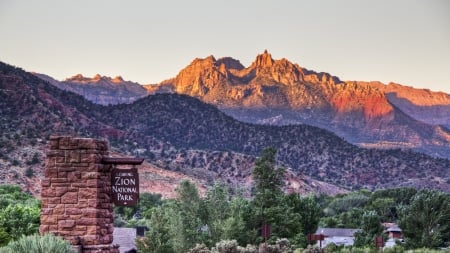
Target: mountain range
(192, 131)
(278, 92)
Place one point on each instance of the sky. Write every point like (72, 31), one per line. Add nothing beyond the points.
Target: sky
(146, 41)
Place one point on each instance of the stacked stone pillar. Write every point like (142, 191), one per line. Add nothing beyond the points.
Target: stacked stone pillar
(76, 194)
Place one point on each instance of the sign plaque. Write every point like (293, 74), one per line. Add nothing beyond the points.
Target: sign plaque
(265, 231)
(125, 186)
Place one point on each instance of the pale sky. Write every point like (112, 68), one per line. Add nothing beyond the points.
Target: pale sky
(403, 41)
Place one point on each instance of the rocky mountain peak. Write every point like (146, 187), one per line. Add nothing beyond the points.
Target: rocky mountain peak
(77, 77)
(117, 79)
(264, 60)
(230, 63)
(97, 77)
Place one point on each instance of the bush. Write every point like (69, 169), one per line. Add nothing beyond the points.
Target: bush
(20, 220)
(38, 244)
(199, 248)
(395, 249)
(311, 249)
(227, 246)
(248, 249)
(29, 172)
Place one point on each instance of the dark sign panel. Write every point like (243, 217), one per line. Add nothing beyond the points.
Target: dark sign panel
(316, 237)
(125, 186)
(265, 231)
(379, 241)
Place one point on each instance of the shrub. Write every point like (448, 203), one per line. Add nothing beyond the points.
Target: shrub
(227, 246)
(38, 244)
(312, 249)
(29, 172)
(248, 249)
(199, 248)
(20, 220)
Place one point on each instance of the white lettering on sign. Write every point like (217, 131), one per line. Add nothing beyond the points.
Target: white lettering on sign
(122, 197)
(125, 187)
(124, 181)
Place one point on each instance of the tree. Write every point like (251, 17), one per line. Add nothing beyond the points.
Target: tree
(309, 210)
(217, 207)
(269, 205)
(370, 228)
(268, 180)
(426, 221)
(235, 226)
(164, 231)
(188, 206)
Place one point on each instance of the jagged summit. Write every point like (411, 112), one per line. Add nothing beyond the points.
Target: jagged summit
(117, 79)
(97, 77)
(264, 60)
(277, 91)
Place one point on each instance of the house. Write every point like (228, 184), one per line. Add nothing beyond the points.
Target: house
(394, 233)
(125, 238)
(338, 236)
(393, 230)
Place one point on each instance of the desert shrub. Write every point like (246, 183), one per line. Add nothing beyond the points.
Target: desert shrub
(199, 248)
(283, 243)
(248, 249)
(425, 250)
(38, 244)
(311, 249)
(227, 246)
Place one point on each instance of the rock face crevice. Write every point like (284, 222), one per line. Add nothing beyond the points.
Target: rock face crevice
(76, 194)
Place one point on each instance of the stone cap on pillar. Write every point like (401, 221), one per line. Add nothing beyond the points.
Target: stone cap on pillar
(122, 160)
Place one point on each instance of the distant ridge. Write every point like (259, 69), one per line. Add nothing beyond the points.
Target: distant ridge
(278, 92)
(185, 135)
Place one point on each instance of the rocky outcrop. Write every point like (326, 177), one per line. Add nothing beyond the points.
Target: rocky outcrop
(101, 89)
(279, 92)
(421, 104)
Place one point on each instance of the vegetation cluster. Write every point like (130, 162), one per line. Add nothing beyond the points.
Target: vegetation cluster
(226, 221)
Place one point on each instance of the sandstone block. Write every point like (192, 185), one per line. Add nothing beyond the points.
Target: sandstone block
(69, 198)
(90, 175)
(90, 213)
(73, 156)
(51, 172)
(79, 185)
(60, 184)
(80, 228)
(65, 224)
(67, 167)
(59, 209)
(88, 222)
(73, 211)
(58, 180)
(49, 220)
(48, 192)
(92, 230)
(94, 183)
(88, 193)
(43, 229)
(55, 200)
(45, 182)
(59, 191)
(46, 211)
(73, 176)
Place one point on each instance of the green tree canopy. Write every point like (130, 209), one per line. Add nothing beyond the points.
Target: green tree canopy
(426, 221)
(370, 228)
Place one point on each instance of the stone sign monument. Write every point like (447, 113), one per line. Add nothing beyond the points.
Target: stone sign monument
(77, 194)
